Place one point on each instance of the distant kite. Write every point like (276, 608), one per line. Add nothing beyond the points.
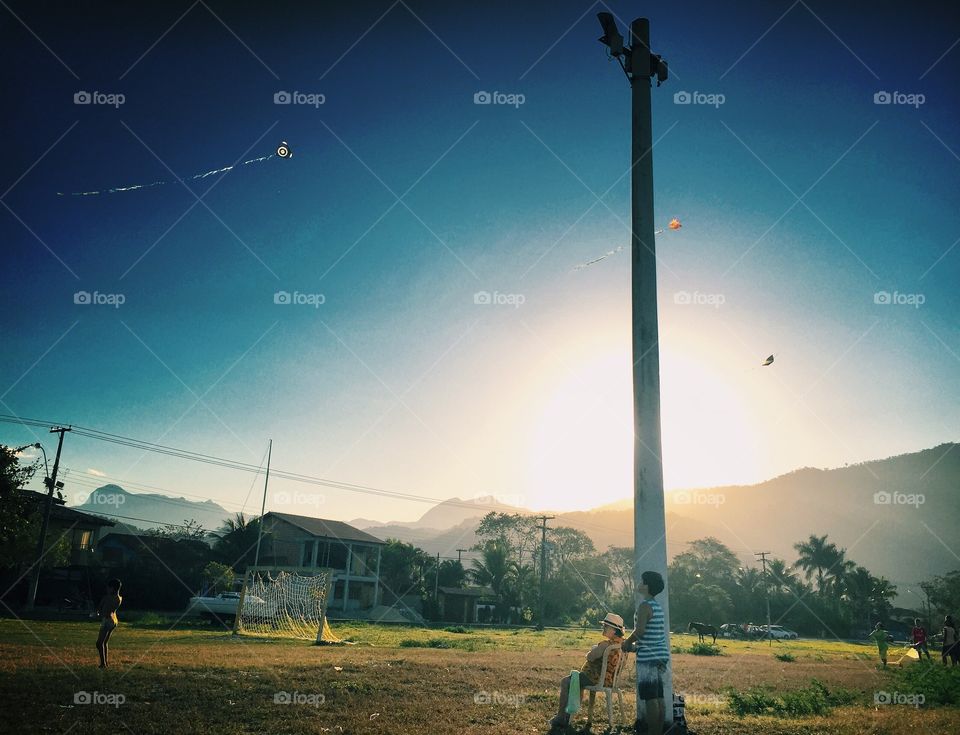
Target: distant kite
(674, 225)
(768, 361)
(283, 151)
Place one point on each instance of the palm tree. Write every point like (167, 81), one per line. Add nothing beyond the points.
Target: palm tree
(816, 557)
(492, 569)
(781, 579)
(238, 540)
(858, 590)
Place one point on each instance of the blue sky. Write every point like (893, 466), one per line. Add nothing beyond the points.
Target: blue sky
(399, 379)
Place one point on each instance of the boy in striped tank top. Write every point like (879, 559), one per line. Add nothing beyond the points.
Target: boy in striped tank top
(649, 640)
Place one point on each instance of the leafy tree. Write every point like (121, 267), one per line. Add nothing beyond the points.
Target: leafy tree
(189, 530)
(402, 568)
(944, 594)
(217, 577)
(21, 519)
(519, 533)
(452, 573)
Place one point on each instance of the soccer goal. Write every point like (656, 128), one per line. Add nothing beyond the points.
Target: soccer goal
(287, 602)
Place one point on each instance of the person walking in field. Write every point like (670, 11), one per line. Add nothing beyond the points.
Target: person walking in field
(882, 638)
(589, 674)
(649, 640)
(920, 640)
(107, 612)
(951, 643)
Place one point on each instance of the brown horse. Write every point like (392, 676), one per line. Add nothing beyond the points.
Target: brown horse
(703, 629)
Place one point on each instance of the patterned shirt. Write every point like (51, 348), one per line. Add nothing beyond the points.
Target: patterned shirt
(652, 645)
(591, 668)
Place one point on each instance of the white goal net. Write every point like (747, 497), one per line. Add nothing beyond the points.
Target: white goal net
(288, 603)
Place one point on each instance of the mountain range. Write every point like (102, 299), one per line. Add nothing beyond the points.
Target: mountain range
(150, 510)
(896, 516)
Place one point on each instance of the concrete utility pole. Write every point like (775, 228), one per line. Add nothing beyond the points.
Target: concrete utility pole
(459, 552)
(650, 547)
(763, 558)
(543, 565)
(41, 544)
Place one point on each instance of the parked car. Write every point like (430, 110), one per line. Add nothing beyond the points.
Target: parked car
(732, 630)
(778, 632)
(223, 607)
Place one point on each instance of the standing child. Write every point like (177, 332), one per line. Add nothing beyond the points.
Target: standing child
(920, 640)
(653, 656)
(951, 644)
(107, 610)
(882, 638)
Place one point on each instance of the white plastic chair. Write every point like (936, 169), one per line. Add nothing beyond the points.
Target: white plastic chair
(608, 690)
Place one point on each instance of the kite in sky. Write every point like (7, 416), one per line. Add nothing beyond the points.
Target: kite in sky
(283, 151)
(768, 361)
(674, 225)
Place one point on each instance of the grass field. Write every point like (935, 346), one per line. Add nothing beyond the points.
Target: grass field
(404, 680)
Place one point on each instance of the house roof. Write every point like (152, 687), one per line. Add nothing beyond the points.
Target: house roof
(324, 528)
(59, 512)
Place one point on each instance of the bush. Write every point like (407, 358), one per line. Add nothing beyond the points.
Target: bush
(815, 699)
(704, 649)
(457, 629)
(938, 684)
(786, 656)
(431, 643)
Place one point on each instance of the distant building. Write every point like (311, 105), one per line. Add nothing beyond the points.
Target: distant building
(314, 543)
(466, 604)
(82, 529)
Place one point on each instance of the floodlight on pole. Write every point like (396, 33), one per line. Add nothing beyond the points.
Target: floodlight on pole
(650, 549)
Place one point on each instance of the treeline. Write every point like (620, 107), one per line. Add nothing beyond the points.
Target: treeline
(822, 593)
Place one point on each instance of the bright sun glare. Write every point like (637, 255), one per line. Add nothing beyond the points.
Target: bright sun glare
(581, 451)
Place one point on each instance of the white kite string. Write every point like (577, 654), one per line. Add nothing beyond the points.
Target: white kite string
(606, 255)
(134, 187)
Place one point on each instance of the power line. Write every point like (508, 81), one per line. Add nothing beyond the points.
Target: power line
(256, 469)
